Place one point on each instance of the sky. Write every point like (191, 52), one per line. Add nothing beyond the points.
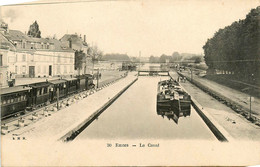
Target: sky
(153, 27)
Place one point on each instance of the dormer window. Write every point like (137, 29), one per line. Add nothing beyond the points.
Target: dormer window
(42, 45)
(48, 46)
(23, 45)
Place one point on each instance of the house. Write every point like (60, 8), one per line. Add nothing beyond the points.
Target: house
(76, 43)
(35, 57)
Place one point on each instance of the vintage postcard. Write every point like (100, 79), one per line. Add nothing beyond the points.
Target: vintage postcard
(130, 83)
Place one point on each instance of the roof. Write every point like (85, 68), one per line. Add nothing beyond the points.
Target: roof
(57, 81)
(14, 89)
(70, 79)
(76, 40)
(39, 84)
(16, 35)
(59, 46)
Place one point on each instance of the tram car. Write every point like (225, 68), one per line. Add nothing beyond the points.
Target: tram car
(16, 99)
(13, 100)
(39, 94)
(72, 85)
(85, 82)
(55, 86)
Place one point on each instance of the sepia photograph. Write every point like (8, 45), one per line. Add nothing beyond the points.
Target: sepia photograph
(130, 82)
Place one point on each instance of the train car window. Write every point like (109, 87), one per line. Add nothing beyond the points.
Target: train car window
(42, 91)
(4, 101)
(19, 98)
(12, 99)
(45, 90)
(38, 92)
(8, 101)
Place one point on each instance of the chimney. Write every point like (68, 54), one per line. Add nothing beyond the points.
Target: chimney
(84, 38)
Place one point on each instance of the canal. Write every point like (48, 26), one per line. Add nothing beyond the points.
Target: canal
(133, 116)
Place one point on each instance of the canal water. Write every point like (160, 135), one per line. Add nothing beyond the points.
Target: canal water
(133, 116)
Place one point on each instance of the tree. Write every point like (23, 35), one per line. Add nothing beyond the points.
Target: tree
(34, 30)
(236, 48)
(95, 53)
(80, 58)
(176, 56)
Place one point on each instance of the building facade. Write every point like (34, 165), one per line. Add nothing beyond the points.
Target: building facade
(76, 43)
(25, 56)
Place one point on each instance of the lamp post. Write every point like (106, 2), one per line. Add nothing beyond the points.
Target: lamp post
(58, 94)
(97, 77)
(191, 74)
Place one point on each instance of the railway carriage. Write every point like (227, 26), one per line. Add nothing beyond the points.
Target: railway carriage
(18, 98)
(57, 85)
(72, 85)
(13, 100)
(40, 94)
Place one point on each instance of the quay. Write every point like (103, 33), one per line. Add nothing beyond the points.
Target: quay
(64, 123)
(224, 122)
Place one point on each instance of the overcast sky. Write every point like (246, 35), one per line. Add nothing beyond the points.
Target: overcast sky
(154, 27)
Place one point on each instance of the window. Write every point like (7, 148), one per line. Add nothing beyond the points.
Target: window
(1, 60)
(39, 69)
(23, 69)
(19, 98)
(58, 69)
(31, 57)
(23, 45)
(58, 59)
(65, 59)
(42, 46)
(16, 69)
(44, 69)
(24, 57)
(11, 59)
(45, 90)
(65, 69)
(71, 59)
(48, 46)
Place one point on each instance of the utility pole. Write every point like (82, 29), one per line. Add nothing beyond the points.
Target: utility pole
(250, 107)
(139, 59)
(97, 77)
(58, 94)
(191, 74)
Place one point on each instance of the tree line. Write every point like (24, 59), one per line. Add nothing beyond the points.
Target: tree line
(176, 57)
(235, 49)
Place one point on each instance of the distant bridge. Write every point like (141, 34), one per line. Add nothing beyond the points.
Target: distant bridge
(153, 72)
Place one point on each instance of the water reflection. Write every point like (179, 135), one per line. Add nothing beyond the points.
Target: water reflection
(172, 113)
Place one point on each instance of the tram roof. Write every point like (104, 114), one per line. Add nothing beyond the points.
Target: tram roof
(14, 89)
(70, 79)
(57, 81)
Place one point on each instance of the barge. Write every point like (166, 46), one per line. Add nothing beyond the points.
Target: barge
(172, 100)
